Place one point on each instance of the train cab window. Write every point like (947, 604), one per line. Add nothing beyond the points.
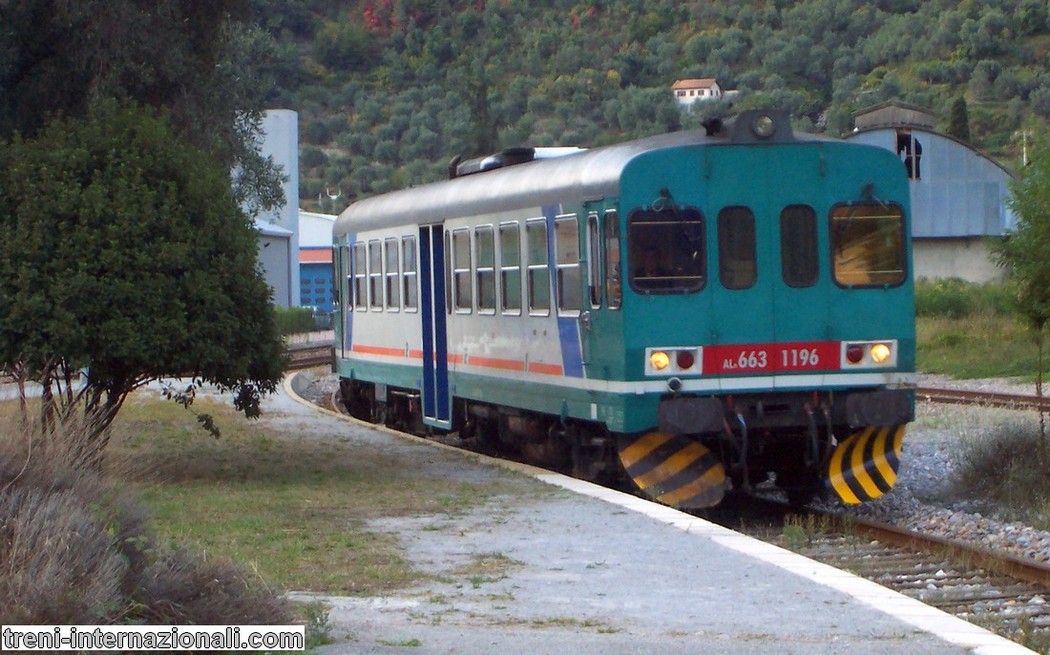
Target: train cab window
(567, 264)
(462, 299)
(375, 275)
(666, 250)
(510, 268)
(360, 273)
(594, 261)
(538, 278)
(799, 262)
(485, 271)
(613, 277)
(392, 275)
(409, 280)
(868, 244)
(736, 248)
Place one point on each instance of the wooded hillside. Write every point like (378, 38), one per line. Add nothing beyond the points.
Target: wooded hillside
(389, 90)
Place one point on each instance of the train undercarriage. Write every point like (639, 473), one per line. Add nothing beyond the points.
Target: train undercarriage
(804, 444)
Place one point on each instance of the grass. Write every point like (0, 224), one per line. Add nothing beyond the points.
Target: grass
(972, 331)
(293, 508)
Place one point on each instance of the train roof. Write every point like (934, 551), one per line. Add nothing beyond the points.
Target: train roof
(587, 174)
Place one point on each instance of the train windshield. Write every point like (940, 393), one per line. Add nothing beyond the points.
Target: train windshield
(666, 250)
(867, 243)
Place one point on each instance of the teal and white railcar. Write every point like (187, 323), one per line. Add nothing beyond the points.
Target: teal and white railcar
(703, 310)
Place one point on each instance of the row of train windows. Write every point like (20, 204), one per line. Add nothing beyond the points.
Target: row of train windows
(668, 254)
(506, 268)
(487, 265)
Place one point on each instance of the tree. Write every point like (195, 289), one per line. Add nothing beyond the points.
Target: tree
(201, 62)
(959, 120)
(125, 256)
(1023, 253)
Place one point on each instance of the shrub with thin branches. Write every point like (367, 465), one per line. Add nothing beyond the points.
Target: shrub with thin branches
(75, 550)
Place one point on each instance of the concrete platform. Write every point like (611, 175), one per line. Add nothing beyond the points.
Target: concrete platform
(570, 567)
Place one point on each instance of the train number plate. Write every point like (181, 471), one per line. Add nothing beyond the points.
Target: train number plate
(772, 358)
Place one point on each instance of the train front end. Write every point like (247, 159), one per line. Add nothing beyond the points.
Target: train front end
(768, 317)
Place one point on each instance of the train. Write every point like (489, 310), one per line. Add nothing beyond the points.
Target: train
(696, 313)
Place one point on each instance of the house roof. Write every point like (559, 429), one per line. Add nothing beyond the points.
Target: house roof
(894, 113)
(697, 83)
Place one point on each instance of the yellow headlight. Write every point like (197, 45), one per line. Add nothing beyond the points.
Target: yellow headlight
(659, 360)
(880, 352)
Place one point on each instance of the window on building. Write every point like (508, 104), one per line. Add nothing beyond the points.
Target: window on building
(868, 244)
(737, 267)
(485, 272)
(567, 264)
(392, 275)
(799, 263)
(510, 268)
(910, 151)
(409, 279)
(538, 276)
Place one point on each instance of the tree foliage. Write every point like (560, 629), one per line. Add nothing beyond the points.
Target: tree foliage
(125, 256)
(202, 62)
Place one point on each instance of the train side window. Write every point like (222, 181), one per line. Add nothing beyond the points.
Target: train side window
(461, 292)
(799, 263)
(375, 275)
(360, 273)
(409, 278)
(736, 248)
(613, 276)
(667, 250)
(594, 261)
(538, 277)
(868, 244)
(510, 268)
(569, 276)
(485, 251)
(392, 275)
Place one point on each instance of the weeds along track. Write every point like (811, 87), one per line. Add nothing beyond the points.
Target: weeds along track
(1001, 593)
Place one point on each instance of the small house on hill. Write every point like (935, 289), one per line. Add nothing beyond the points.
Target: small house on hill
(958, 195)
(686, 92)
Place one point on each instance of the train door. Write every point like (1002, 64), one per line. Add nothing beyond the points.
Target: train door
(766, 262)
(434, 388)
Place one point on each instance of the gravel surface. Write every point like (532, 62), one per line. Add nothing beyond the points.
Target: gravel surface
(924, 498)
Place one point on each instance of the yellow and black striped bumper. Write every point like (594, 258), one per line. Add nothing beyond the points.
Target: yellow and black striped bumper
(864, 466)
(675, 471)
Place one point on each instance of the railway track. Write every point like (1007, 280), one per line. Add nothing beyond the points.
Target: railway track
(309, 355)
(983, 398)
(1001, 593)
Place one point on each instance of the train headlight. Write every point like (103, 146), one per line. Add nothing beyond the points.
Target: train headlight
(659, 360)
(880, 353)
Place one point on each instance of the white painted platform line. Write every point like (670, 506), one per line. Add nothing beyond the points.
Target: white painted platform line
(925, 617)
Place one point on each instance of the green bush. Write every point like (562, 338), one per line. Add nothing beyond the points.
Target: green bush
(955, 298)
(293, 320)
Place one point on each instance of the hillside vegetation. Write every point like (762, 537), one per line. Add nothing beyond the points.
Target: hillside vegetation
(389, 90)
